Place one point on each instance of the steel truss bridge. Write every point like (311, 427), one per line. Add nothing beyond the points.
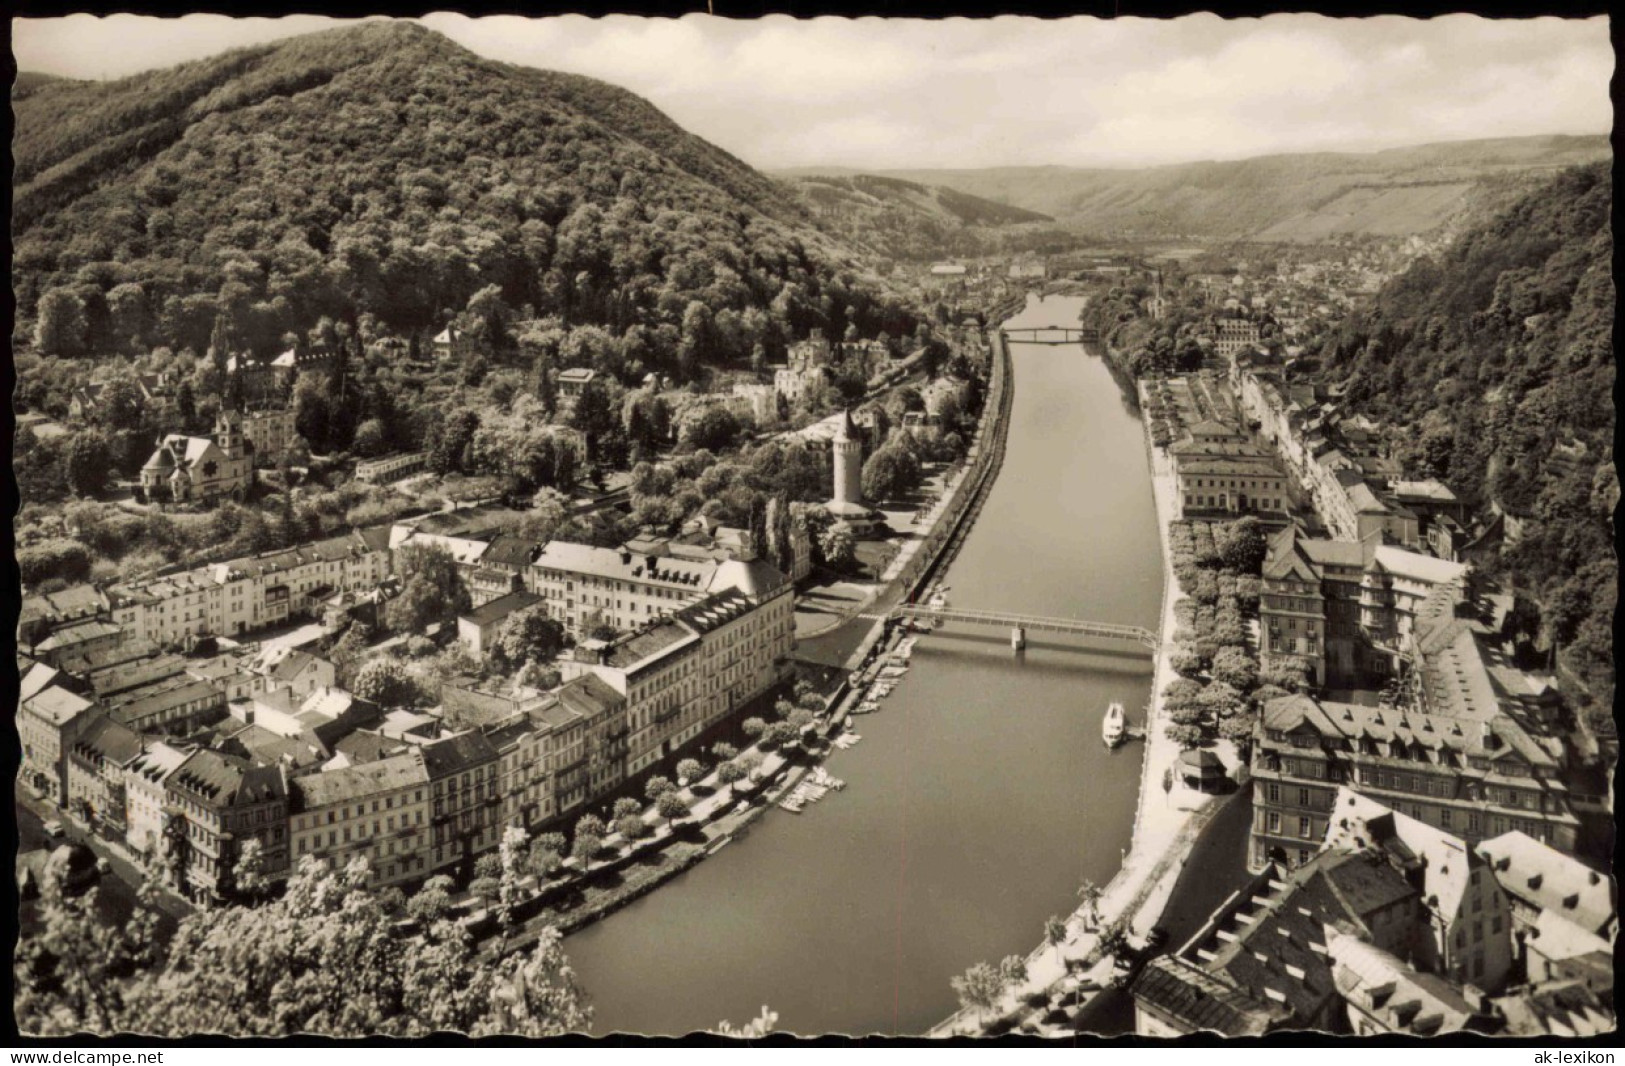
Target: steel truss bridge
(1027, 623)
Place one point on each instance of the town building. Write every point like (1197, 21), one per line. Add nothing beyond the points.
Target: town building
(1472, 776)
(98, 757)
(388, 468)
(572, 383)
(250, 593)
(376, 810)
(269, 432)
(1261, 962)
(152, 390)
(47, 722)
(291, 668)
(1466, 931)
(200, 469)
(144, 797)
(214, 805)
(1236, 335)
(1384, 995)
(454, 344)
(464, 786)
(1565, 915)
(794, 384)
(478, 628)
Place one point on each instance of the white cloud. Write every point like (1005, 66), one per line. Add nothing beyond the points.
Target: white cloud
(880, 93)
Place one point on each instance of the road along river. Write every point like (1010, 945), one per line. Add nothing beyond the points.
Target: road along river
(980, 796)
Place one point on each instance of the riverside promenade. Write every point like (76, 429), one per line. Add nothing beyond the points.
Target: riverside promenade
(1167, 822)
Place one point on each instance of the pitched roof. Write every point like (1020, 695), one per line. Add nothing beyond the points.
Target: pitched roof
(226, 781)
(1546, 878)
(1198, 1001)
(360, 781)
(1443, 860)
(1384, 987)
(104, 739)
(590, 696)
(501, 607)
(57, 705)
(454, 754)
(693, 574)
(1418, 567)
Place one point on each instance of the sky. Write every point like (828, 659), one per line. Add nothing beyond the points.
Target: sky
(894, 94)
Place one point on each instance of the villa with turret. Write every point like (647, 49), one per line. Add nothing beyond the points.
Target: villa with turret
(187, 469)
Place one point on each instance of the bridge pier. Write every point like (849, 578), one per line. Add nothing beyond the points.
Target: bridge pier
(1018, 638)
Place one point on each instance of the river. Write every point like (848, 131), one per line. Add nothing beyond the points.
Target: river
(980, 796)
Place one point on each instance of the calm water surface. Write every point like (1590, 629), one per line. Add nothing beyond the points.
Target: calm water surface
(980, 796)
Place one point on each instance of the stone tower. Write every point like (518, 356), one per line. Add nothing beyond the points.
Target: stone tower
(847, 451)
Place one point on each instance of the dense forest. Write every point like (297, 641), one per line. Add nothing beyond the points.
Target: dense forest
(1496, 358)
(385, 178)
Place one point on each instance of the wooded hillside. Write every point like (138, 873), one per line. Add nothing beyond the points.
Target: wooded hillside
(383, 176)
(1499, 358)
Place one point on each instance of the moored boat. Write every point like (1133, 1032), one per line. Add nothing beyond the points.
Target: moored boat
(1113, 726)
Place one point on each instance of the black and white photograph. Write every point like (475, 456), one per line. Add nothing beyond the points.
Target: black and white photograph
(735, 528)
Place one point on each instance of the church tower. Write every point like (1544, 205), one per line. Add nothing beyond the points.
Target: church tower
(847, 452)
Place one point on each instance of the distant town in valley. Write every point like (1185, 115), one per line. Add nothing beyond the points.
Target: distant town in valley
(456, 501)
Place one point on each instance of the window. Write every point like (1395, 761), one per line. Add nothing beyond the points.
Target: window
(1305, 828)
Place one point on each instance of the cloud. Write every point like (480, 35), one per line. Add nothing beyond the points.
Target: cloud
(887, 93)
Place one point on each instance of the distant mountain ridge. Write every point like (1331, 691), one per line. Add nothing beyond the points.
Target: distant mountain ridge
(906, 219)
(1294, 197)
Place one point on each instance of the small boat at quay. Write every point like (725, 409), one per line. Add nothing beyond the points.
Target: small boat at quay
(1113, 727)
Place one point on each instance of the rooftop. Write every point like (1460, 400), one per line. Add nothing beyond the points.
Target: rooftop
(501, 607)
(359, 781)
(1544, 877)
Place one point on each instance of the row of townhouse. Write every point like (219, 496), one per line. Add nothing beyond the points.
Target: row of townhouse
(1477, 777)
(236, 597)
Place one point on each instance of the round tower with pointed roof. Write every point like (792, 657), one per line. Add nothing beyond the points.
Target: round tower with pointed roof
(847, 451)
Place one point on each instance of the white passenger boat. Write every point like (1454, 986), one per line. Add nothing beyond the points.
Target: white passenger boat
(1113, 726)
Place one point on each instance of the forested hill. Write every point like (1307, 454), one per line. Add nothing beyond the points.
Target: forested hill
(1499, 358)
(384, 171)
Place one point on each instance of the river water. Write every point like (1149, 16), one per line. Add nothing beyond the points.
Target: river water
(980, 796)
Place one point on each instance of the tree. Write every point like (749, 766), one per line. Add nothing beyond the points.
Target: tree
(627, 805)
(689, 771)
(730, 772)
(753, 728)
(1013, 969)
(326, 957)
(1186, 660)
(1113, 939)
(587, 846)
(1188, 737)
(89, 460)
(631, 827)
(839, 548)
(892, 471)
(1181, 692)
(119, 406)
(671, 806)
(546, 855)
(1055, 934)
(1236, 668)
(248, 877)
(658, 786)
(385, 682)
(61, 329)
(1238, 729)
(434, 590)
(723, 750)
(524, 637)
(978, 989)
(1220, 700)
(1242, 546)
(1090, 894)
(716, 429)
